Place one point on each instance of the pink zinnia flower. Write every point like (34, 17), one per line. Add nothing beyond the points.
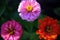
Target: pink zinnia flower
(29, 10)
(11, 30)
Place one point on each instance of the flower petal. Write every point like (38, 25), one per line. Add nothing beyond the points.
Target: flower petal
(11, 37)
(5, 36)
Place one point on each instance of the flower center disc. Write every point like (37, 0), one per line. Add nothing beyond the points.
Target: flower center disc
(11, 31)
(29, 8)
(48, 29)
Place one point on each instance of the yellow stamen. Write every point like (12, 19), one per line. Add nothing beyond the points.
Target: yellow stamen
(11, 31)
(48, 29)
(29, 8)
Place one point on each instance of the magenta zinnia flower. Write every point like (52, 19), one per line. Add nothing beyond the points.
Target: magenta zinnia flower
(29, 10)
(11, 30)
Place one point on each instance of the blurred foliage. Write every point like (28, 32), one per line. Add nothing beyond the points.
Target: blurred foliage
(57, 11)
(8, 11)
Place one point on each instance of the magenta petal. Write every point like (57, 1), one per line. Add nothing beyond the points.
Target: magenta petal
(18, 27)
(16, 35)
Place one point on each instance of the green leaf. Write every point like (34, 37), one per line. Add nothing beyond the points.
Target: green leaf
(33, 36)
(29, 36)
(25, 36)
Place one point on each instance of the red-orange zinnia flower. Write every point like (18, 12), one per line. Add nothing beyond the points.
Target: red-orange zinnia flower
(48, 29)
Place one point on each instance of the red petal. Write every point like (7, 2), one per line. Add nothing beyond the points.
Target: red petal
(40, 21)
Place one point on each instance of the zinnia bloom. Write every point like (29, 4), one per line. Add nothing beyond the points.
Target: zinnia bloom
(48, 29)
(29, 10)
(11, 30)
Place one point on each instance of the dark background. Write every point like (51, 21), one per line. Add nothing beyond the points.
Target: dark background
(8, 11)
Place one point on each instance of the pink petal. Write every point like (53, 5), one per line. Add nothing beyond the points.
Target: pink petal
(36, 9)
(5, 37)
(16, 37)
(29, 0)
(11, 37)
(33, 4)
(22, 6)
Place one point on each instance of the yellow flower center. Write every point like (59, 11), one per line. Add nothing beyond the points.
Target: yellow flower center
(11, 31)
(48, 29)
(29, 8)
